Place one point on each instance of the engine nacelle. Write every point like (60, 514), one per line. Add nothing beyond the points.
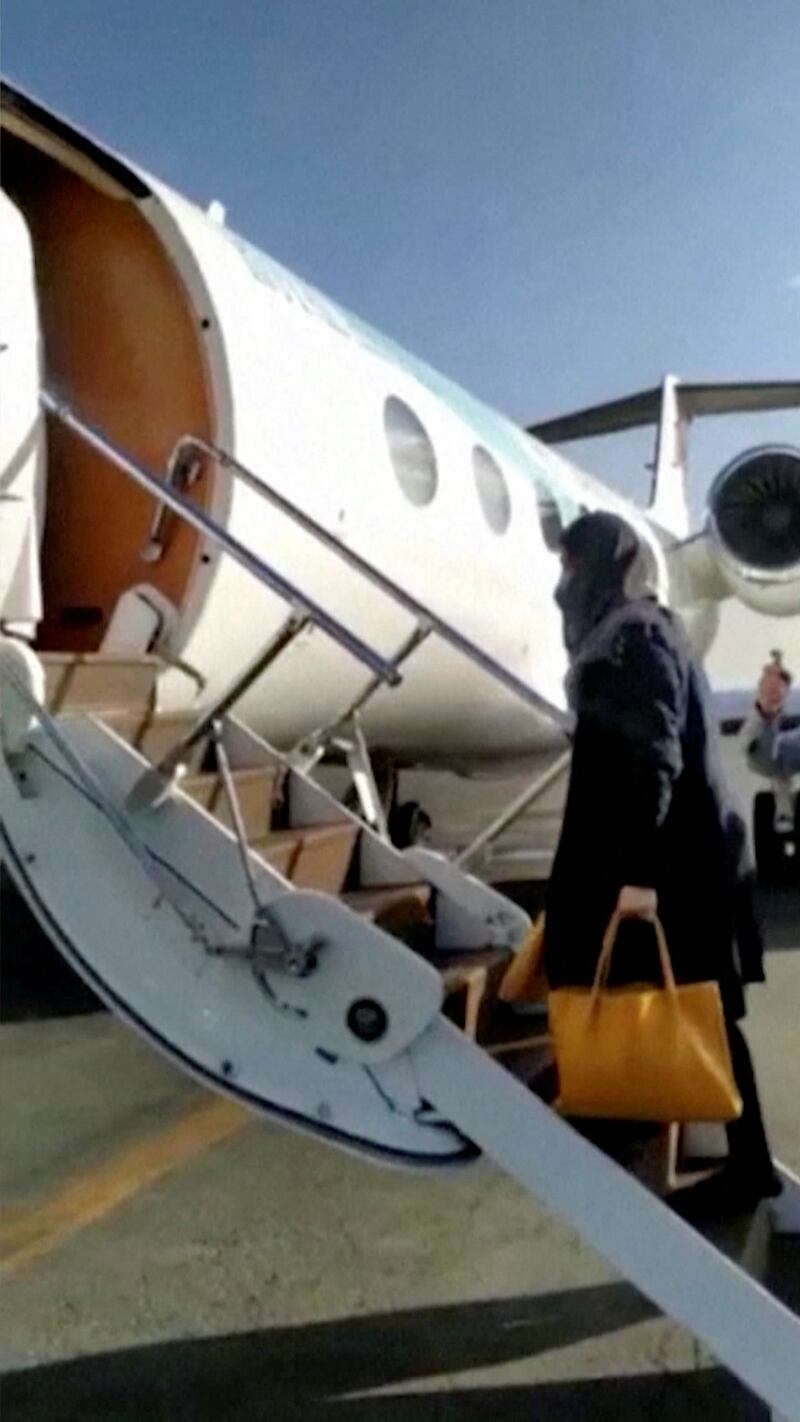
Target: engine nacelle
(754, 528)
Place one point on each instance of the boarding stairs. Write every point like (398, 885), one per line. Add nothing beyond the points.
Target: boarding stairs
(275, 944)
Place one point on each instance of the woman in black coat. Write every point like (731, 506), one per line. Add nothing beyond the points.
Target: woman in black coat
(648, 825)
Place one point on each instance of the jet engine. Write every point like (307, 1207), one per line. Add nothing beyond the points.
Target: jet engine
(754, 528)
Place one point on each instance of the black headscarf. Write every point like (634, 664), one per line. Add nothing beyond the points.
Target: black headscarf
(603, 548)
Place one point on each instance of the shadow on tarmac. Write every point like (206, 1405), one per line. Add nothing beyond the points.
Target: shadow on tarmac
(322, 1370)
(35, 981)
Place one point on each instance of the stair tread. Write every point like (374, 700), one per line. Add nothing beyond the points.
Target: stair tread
(274, 838)
(305, 833)
(169, 718)
(313, 857)
(152, 733)
(78, 684)
(280, 858)
(458, 964)
(380, 896)
(255, 789)
(200, 779)
(147, 720)
(51, 659)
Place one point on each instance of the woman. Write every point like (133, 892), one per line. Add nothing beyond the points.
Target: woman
(648, 827)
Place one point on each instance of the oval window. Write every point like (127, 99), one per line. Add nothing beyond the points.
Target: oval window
(411, 452)
(490, 481)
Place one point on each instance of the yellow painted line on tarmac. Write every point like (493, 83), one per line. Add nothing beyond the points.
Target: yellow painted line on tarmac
(92, 1194)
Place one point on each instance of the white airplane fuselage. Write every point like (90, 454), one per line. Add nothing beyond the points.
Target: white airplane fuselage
(303, 389)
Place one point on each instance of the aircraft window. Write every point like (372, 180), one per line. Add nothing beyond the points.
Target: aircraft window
(549, 517)
(490, 481)
(412, 454)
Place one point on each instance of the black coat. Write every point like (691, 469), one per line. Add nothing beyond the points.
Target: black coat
(647, 805)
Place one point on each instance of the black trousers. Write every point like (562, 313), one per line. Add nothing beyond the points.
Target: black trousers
(750, 1154)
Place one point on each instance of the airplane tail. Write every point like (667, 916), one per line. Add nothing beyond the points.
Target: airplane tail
(670, 406)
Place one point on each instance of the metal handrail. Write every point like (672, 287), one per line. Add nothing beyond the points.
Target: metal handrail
(154, 783)
(311, 748)
(514, 810)
(429, 619)
(202, 521)
(303, 608)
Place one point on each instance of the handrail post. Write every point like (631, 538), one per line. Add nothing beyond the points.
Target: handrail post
(513, 811)
(154, 784)
(235, 807)
(179, 475)
(310, 749)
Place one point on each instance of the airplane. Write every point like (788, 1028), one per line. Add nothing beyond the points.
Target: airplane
(240, 532)
(209, 335)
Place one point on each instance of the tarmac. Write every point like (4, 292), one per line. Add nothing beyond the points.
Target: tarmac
(167, 1256)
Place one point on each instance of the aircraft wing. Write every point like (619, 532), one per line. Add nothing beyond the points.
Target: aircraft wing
(644, 407)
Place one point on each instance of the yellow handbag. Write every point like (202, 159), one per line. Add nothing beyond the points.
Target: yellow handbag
(640, 1052)
(525, 979)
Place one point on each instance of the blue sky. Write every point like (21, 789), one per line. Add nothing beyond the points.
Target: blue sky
(553, 201)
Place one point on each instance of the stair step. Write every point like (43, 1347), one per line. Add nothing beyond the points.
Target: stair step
(279, 851)
(478, 974)
(255, 790)
(154, 735)
(458, 967)
(324, 857)
(379, 902)
(321, 858)
(403, 910)
(159, 733)
(95, 682)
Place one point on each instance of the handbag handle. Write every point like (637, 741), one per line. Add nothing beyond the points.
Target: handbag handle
(609, 944)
